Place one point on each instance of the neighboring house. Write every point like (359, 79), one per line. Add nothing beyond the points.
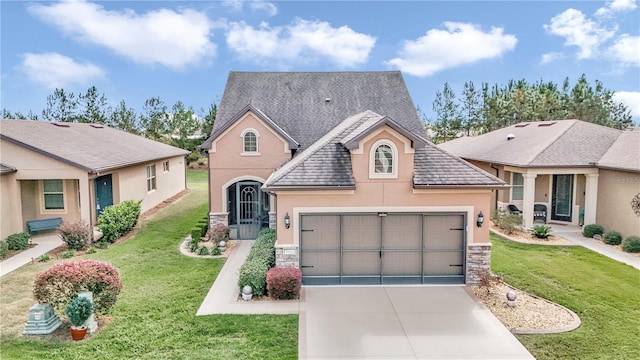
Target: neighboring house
(582, 172)
(338, 164)
(73, 171)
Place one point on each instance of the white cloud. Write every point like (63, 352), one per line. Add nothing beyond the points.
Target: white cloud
(550, 57)
(170, 38)
(303, 41)
(626, 50)
(256, 5)
(459, 44)
(579, 31)
(630, 99)
(616, 6)
(54, 70)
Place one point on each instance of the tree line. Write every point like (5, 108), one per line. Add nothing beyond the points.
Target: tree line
(177, 125)
(484, 109)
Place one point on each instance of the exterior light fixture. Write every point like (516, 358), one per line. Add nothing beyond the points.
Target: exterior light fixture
(480, 219)
(287, 221)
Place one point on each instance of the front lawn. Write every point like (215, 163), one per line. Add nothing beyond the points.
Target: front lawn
(604, 293)
(154, 317)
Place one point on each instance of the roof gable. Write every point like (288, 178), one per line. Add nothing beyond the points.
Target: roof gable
(624, 153)
(90, 147)
(353, 138)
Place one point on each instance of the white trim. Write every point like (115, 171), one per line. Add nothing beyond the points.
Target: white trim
(65, 208)
(394, 160)
(245, 132)
(257, 118)
(233, 181)
(513, 186)
(451, 191)
(407, 143)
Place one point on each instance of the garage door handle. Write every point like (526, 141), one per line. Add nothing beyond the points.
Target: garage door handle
(303, 230)
(460, 265)
(456, 229)
(306, 266)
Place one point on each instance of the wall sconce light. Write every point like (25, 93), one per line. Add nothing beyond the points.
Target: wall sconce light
(480, 219)
(287, 221)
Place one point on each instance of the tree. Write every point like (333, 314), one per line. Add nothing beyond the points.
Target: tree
(124, 118)
(470, 108)
(61, 107)
(208, 120)
(94, 106)
(183, 124)
(154, 119)
(447, 123)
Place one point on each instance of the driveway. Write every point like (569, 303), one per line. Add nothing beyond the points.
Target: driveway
(400, 322)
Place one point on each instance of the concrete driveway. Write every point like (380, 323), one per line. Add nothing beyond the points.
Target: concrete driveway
(400, 322)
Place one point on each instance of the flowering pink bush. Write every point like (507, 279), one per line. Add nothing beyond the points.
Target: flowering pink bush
(62, 282)
(284, 282)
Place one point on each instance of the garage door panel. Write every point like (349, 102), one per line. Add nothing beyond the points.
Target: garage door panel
(361, 263)
(401, 263)
(320, 232)
(443, 263)
(320, 263)
(402, 232)
(444, 232)
(360, 232)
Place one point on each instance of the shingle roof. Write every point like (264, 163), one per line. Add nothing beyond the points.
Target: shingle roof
(6, 169)
(327, 162)
(90, 147)
(624, 153)
(310, 104)
(560, 143)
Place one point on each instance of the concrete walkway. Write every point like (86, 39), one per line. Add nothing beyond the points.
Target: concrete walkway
(45, 243)
(574, 234)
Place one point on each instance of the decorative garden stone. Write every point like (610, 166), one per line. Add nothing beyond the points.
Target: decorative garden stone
(42, 320)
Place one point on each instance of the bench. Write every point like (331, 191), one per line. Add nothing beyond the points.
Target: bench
(44, 224)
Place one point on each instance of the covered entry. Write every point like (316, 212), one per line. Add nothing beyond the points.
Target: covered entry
(382, 248)
(248, 209)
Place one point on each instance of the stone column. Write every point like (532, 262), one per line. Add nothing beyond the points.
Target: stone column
(590, 199)
(478, 262)
(287, 256)
(528, 199)
(221, 218)
(273, 219)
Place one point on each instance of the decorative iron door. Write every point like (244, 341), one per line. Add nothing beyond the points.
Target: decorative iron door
(562, 199)
(249, 214)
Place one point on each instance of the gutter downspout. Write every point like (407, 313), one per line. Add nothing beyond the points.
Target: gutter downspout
(498, 176)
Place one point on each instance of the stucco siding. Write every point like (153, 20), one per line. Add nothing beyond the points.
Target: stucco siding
(616, 189)
(10, 209)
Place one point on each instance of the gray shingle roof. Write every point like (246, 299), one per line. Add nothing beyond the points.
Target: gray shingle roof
(90, 147)
(301, 108)
(560, 143)
(6, 169)
(624, 153)
(434, 167)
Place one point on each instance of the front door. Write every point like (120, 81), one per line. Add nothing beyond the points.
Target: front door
(104, 193)
(562, 198)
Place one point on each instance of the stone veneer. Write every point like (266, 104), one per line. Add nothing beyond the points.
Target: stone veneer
(272, 219)
(287, 256)
(478, 262)
(218, 219)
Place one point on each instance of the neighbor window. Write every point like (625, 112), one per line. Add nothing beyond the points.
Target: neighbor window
(53, 192)
(517, 186)
(151, 177)
(165, 166)
(249, 141)
(383, 160)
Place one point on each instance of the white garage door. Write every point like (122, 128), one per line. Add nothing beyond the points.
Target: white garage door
(382, 248)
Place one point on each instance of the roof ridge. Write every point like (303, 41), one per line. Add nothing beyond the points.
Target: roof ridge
(319, 144)
(553, 141)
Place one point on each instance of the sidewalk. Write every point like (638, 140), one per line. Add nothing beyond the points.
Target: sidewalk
(45, 243)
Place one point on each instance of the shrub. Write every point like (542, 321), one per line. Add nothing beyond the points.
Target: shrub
(541, 231)
(91, 250)
(102, 245)
(631, 244)
(4, 249)
(62, 282)
(510, 223)
(592, 229)
(76, 235)
(117, 220)
(612, 238)
(284, 282)
(219, 233)
(68, 254)
(44, 258)
(78, 311)
(254, 274)
(18, 241)
(202, 250)
(216, 251)
(196, 233)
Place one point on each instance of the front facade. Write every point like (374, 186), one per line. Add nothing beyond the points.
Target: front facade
(581, 173)
(356, 197)
(74, 171)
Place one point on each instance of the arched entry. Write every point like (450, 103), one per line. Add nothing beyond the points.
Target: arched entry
(248, 208)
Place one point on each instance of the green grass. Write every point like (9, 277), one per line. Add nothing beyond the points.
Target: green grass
(154, 317)
(604, 293)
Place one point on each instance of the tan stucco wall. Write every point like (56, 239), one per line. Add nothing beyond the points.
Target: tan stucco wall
(10, 207)
(542, 189)
(615, 191)
(502, 195)
(227, 164)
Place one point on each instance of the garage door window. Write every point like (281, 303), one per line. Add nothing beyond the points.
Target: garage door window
(383, 160)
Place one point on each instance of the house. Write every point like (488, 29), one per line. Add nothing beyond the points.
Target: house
(74, 171)
(583, 173)
(337, 162)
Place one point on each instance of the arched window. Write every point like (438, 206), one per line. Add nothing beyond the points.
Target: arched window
(249, 141)
(383, 160)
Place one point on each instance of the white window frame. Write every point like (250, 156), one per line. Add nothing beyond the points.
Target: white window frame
(244, 147)
(514, 186)
(151, 178)
(394, 160)
(165, 166)
(43, 207)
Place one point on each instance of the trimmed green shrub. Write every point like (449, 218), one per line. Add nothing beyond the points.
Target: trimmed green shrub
(254, 274)
(284, 283)
(117, 220)
(102, 245)
(202, 250)
(196, 233)
(592, 229)
(541, 231)
(44, 258)
(76, 235)
(68, 254)
(631, 244)
(62, 282)
(91, 250)
(510, 223)
(78, 311)
(612, 238)
(216, 251)
(18, 241)
(4, 249)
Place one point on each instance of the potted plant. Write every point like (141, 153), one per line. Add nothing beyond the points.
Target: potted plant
(78, 311)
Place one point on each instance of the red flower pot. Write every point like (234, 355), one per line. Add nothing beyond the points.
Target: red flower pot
(78, 333)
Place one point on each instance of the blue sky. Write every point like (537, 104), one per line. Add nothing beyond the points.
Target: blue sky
(183, 50)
